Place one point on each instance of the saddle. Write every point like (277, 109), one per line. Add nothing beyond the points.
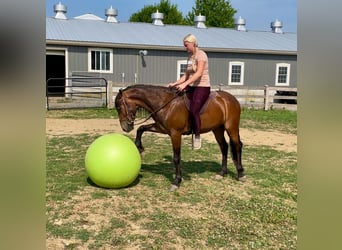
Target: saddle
(211, 96)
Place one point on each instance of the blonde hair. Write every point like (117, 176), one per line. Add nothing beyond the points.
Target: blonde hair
(191, 39)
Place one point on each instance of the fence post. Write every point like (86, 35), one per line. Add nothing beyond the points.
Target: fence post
(110, 104)
(266, 98)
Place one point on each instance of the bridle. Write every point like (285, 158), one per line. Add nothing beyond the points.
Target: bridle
(131, 115)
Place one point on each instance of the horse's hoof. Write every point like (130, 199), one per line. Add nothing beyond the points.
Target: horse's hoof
(218, 177)
(173, 188)
(242, 178)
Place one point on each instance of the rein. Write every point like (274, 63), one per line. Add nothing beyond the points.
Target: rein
(132, 118)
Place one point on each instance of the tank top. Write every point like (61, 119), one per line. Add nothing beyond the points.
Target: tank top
(204, 80)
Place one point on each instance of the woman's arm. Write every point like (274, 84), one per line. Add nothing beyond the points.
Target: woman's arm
(193, 78)
(179, 81)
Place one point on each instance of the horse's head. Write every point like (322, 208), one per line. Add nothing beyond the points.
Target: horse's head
(126, 111)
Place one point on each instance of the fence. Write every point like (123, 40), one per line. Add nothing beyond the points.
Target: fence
(264, 97)
(76, 92)
(284, 98)
(259, 98)
(97, 92)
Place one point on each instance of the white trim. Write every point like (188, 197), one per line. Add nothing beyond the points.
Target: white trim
(288, 66)
(110, 60)
(179, 63)
(67, 66)
(242, 76)
(172, 48)
(55, 52)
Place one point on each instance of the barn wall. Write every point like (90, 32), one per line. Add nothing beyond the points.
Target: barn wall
(259, 69)
(160, 66)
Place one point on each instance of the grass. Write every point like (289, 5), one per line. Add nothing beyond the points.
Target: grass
(280, 120)
(204, 213)
(82, 113)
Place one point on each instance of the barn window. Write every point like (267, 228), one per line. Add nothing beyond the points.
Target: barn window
(100, 60)
(236, 73)
(181, 68)
(283, 74)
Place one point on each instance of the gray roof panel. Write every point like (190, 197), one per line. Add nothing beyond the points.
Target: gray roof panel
(170, 36)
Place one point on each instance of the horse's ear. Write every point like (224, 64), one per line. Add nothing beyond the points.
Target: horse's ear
(120, 91)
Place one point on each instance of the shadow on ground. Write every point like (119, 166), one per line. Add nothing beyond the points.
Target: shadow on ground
(166, 168)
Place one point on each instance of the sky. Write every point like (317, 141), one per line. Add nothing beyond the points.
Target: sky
(258, 14)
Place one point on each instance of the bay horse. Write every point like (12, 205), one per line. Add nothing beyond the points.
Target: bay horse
(171, 116)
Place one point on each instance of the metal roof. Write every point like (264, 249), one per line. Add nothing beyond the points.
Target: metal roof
(146, 35)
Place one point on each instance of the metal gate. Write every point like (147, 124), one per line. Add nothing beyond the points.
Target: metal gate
(77, 92)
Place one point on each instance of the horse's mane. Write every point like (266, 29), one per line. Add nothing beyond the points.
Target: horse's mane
(152, 88)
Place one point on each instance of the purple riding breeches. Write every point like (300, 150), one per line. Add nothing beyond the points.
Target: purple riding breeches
(197, 96)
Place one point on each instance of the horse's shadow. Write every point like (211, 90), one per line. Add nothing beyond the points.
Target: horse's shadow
(166, 168)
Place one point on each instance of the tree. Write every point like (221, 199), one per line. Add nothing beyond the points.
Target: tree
(218, 13)
(171, 13)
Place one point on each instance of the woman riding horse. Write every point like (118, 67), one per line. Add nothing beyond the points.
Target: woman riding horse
(196, 82)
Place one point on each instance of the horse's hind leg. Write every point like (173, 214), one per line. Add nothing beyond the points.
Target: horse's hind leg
(236, 150)
(219, 136)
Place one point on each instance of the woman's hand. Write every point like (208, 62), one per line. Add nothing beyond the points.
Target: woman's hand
(171, 84)
(181, 86)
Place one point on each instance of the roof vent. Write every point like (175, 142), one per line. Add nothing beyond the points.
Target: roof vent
(111, 15)
(200, 21)
(240, 24)
(157, 18)
(276, 26)
(60, 10)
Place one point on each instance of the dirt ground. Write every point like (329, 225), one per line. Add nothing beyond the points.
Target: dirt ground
(62, 127)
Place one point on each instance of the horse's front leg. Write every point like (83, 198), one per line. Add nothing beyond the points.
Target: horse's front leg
(149, 127)
(176, 146)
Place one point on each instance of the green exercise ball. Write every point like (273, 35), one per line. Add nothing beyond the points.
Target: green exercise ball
(112, 161)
